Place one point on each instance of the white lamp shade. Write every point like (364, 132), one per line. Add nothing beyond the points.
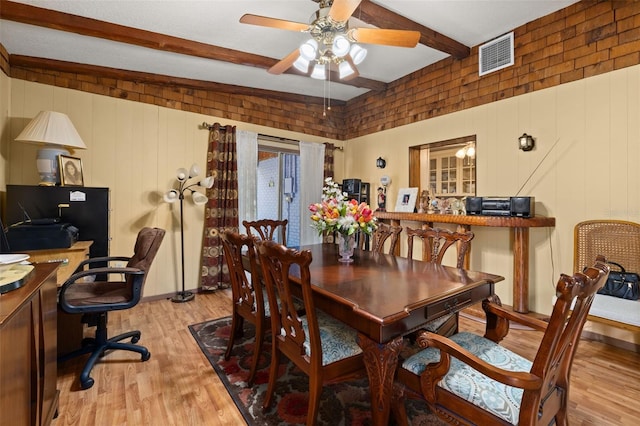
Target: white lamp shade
(358, 54)
(345, 69)
(51, 128)
(301, 64)
(194, 170)
(319, 72)
(340, 46)
(171, 196)
(181, 174)
(309, 49)
(198, 198)
(461, 153)
(471, 151)
(207, 182)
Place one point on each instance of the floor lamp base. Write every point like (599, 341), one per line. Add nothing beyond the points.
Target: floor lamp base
(183, 296)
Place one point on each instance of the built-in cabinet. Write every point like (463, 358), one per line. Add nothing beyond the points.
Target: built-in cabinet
(28, 355)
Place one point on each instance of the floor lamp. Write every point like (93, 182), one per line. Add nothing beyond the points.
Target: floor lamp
(187, 183)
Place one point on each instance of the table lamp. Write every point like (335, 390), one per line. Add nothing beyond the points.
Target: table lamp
(55, 132)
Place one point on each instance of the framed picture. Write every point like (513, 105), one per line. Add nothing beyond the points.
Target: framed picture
(70, 171)
(406, 201)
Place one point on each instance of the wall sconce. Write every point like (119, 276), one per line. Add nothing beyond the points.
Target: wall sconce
(526, 142)
(381, 163)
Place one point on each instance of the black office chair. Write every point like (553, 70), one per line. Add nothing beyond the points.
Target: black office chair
(95, 299)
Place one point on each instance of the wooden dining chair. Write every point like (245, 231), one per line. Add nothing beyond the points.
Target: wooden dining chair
(248, 304)
(330, 357)
(385, 232)
(435, 243)
(268, 229)
(469, 379)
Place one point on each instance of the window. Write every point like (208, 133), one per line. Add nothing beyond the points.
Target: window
(445, 168)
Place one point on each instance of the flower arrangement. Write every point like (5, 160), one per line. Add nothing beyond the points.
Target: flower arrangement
(337, 213)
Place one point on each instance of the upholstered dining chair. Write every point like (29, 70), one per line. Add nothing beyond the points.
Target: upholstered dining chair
(248, 304)
(268, 229)
(385, 232)
(469, 379)
(94, 299)
(332, 356)
(435, 243)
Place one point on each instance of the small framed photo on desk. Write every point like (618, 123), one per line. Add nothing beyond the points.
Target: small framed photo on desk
(406, 201)
(70, 171)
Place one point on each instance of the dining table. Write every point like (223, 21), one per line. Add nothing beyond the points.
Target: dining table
(385, 297)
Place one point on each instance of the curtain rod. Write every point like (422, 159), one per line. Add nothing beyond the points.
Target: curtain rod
(208, 126)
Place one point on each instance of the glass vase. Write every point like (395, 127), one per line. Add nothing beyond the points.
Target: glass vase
(346, 244)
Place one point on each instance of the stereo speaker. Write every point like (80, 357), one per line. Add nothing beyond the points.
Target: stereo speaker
(474, 205)
(351, 186)
(523, 206)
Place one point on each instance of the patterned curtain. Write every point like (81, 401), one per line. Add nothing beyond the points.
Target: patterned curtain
(221, 212)
(329, 148)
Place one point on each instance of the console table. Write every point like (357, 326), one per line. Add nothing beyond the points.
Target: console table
(28, 370)
(520, 241)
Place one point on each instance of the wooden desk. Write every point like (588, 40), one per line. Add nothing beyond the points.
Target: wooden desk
(70, 326)
(28, 371)
(386, 297)
(520, 240)
(70, 258)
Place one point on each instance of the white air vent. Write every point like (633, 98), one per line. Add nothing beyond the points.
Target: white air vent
(496, 54)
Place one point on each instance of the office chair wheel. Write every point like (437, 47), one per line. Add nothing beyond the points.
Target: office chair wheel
(146, 356)
(87, 383)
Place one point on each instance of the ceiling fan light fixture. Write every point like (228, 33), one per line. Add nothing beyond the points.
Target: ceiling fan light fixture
(358, 54)
(301, 64)
(319, 72)
(340, 46)
(309, 50)
(345, 69)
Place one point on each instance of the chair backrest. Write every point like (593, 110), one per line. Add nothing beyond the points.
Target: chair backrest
(616, 240)
(557, 348)
(385, 232)
(247, 299)
(145, 250)
(268, 229)
(436, 241)
(278, 264)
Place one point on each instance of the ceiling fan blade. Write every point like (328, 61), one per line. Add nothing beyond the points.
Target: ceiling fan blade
(341, 10)
(400, 38)
(285, 63)
(273, 22)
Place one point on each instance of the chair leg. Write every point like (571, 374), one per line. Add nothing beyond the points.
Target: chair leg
(398, 409)
(315, 390)
(257, 351)
(273, 375)
(237, 322)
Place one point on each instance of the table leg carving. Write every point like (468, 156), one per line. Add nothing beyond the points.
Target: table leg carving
(380, 361)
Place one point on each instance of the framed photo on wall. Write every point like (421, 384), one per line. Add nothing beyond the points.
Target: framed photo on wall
(406, 201)
(70, 171)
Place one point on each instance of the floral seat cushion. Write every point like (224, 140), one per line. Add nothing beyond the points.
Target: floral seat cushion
(470, 385)
(338, 339)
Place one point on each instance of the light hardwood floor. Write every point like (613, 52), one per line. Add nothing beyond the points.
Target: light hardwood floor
(177, 386)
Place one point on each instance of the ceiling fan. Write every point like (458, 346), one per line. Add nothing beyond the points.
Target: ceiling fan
(332, 43)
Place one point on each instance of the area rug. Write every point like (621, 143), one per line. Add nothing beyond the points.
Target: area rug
(343, 404)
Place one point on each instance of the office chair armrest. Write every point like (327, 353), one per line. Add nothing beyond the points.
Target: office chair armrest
(434, 372)
(75, 277)
(91, 260)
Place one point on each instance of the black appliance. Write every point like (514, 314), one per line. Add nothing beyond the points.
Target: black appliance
(86, 209)
(501, 206)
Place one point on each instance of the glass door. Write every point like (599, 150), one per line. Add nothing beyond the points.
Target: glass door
(278, 189)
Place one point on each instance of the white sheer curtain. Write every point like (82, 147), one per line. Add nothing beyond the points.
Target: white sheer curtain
(247, 158)
(311, 181)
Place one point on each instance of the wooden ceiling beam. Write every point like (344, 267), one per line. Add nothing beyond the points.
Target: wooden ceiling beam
(26, 14)
(374, 14)
(29, 62)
